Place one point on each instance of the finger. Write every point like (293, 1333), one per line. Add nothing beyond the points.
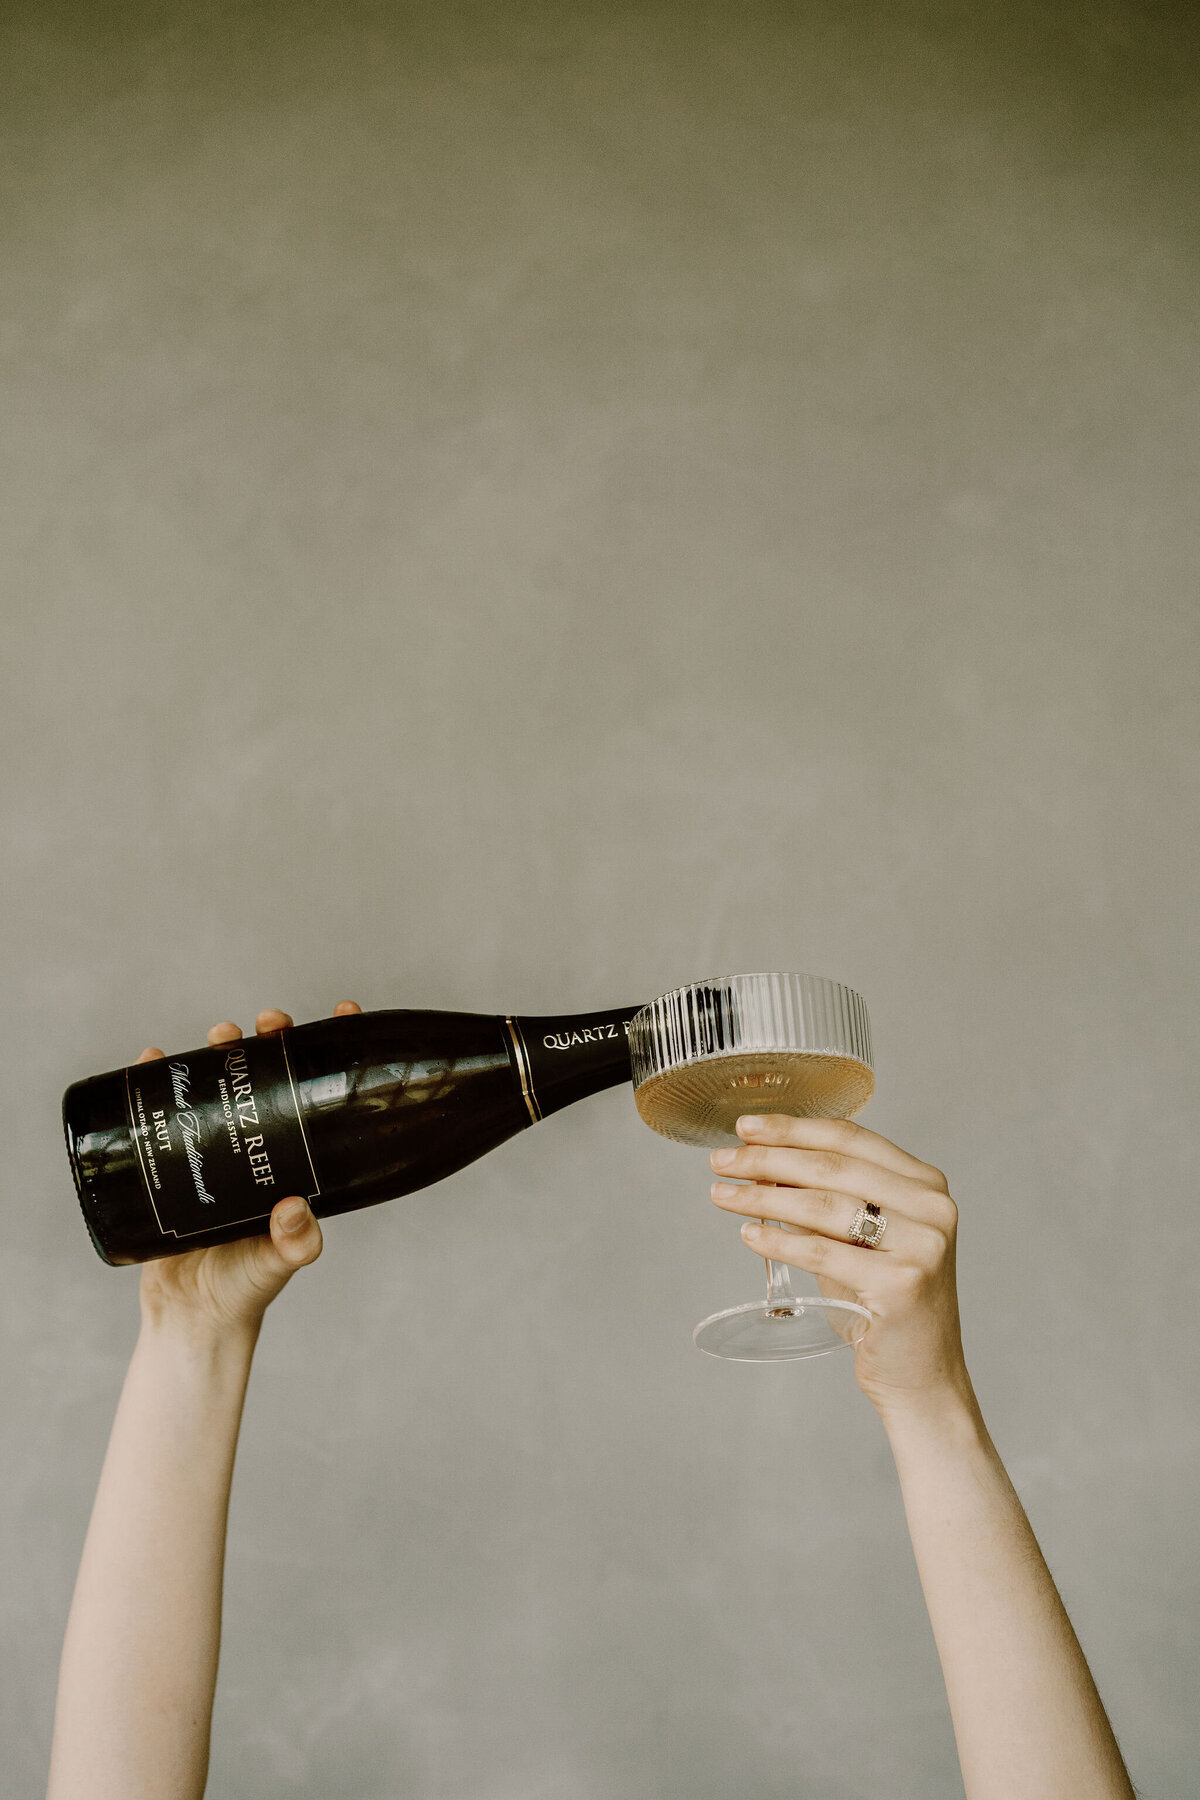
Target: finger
(842, 1136)
(853, 1267)
(345, 1007)
(151, 1055)
(826, 1170)
(272, 1020)
(224, 1033)
(829, 1214)
(295, 1232)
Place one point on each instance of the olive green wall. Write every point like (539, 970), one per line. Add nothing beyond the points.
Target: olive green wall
(519, 506)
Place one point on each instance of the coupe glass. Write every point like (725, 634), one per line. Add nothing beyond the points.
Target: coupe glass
(705, 1055)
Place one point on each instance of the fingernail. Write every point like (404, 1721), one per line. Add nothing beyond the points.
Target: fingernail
(721, 1159)
(750, 1123)
(292, 1215)
(724, 1190)
(751, 1229)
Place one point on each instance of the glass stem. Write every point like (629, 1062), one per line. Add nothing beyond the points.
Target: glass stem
(780, 1297)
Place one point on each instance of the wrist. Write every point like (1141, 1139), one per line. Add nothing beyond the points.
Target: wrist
(946, 1410)
(197, 1337)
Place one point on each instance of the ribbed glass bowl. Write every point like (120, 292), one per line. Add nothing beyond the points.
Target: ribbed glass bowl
(710, 1052)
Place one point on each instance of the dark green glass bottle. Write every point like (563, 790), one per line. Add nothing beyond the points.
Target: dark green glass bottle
(195, 1149)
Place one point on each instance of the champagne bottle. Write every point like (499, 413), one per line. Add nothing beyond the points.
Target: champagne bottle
(189, 1150)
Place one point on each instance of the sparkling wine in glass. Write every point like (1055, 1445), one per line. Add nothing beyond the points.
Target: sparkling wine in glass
(705, 1055)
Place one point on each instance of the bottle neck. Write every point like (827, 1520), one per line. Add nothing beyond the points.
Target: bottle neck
(562, 1057)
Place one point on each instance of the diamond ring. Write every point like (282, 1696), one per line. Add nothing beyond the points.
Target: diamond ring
(869, 1226)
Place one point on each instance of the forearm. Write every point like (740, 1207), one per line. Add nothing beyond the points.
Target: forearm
(1027, 1717)
(139, 1661)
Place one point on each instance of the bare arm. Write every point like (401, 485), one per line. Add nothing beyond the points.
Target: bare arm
(139, 1663)
(1026, 1713)
(1027, 1717)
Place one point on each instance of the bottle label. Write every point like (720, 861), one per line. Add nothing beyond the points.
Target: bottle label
(219, 1135)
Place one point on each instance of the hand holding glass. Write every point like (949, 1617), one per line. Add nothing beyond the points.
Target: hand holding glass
(707, 1054)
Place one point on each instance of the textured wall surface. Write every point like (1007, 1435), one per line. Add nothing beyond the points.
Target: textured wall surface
(519, 506)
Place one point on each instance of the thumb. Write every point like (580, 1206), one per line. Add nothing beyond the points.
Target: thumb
(295, 1234)
(267, 1263)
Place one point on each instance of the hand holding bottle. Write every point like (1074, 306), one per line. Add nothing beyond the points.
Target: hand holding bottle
(139, 1663)
(815, 1175)
(231, 1285)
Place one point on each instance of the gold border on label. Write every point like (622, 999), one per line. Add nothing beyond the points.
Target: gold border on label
(521, 1056)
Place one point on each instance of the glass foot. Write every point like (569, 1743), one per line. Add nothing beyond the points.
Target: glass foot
(801, 1325)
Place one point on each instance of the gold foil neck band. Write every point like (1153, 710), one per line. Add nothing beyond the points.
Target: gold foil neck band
(521, 1057)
